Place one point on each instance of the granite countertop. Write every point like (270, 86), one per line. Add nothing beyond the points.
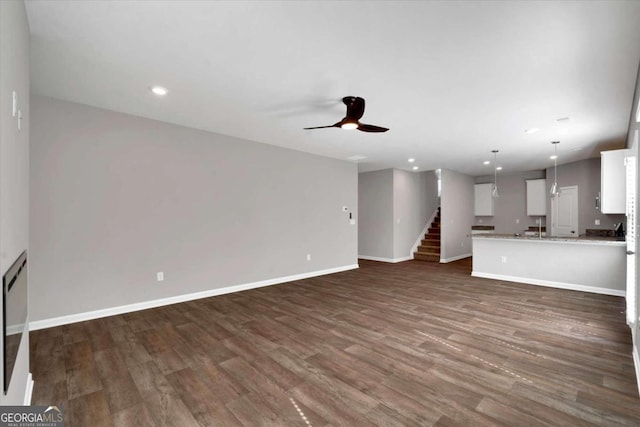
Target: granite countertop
(580, 239)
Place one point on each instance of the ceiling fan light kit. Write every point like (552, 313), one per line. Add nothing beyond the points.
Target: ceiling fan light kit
(355, 111)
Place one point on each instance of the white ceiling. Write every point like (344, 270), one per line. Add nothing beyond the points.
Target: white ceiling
(452, 80)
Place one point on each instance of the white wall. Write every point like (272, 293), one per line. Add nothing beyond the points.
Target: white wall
(415, 199)
(375, 220)
(456, 203)
(116, 198)
(14, 165)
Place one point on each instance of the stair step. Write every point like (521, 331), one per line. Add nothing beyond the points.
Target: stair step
(434, 230)
(426, 257)
(435, 238)
(429, 247)
(428, 251)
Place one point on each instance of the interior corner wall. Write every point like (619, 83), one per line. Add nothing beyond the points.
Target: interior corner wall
(375, 221)
(116, 198)
(14, 167)
(510, 209)
(586, 175)
(456, 201)
(415, 199)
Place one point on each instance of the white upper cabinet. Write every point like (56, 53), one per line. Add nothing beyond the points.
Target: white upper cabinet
(483, 200)
(613, 182)
(537, 197)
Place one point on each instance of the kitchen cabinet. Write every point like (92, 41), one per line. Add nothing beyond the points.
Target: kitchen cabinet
(483, 200)
(536, 197)
(613, 182)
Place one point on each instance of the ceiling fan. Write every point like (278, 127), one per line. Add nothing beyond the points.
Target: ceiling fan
(355, 110)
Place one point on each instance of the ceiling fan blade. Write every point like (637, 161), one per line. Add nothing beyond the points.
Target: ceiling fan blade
(355, 107)
(335, 125)
(371, 128)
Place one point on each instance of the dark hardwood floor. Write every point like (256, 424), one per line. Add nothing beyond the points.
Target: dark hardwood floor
(409, 344)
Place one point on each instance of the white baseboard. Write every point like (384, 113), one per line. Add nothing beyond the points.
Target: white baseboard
(550, 284)
(391, 260)
(96, 314)
(455, 258)
(636, 363)
(29, 391)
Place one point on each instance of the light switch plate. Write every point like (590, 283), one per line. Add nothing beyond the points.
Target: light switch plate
(14, 108)
(352, 221)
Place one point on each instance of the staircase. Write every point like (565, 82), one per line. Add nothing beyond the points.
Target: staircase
(429, 249)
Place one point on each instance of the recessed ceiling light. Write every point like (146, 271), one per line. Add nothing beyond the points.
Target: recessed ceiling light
(486, 162)
(411, 160)
(499, 168)
(159, 90)
(356, 158)
(531, 131)
(553, 157)
(415, 168)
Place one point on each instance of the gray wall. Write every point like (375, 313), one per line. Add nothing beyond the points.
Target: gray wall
(14, 164)
(456, 202)
(586, 175)
(375, 221)
(116, 198)
(415, 199)
(395, 206)
(510, 209)
(512, 203)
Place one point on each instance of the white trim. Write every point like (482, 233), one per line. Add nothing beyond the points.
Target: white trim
(455, 258)
(96, 314)
(29, 391)
(414, 248)
(391, 260)
(636, 363)
(550, 284)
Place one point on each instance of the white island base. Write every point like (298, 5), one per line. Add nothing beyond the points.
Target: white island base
(587, 265)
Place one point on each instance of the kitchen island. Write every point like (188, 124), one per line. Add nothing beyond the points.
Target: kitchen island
(590, 264)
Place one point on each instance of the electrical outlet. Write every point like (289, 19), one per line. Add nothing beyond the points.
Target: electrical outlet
(160, 276)
(517, 220)
(308, 257)
(504, 259)
(597, 222)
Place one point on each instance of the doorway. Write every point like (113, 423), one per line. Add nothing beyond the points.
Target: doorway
(564, 212)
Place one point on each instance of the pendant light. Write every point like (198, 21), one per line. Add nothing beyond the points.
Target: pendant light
(554, 187)
(494, 190)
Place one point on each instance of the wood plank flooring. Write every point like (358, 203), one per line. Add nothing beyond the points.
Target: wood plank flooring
(409, 344)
